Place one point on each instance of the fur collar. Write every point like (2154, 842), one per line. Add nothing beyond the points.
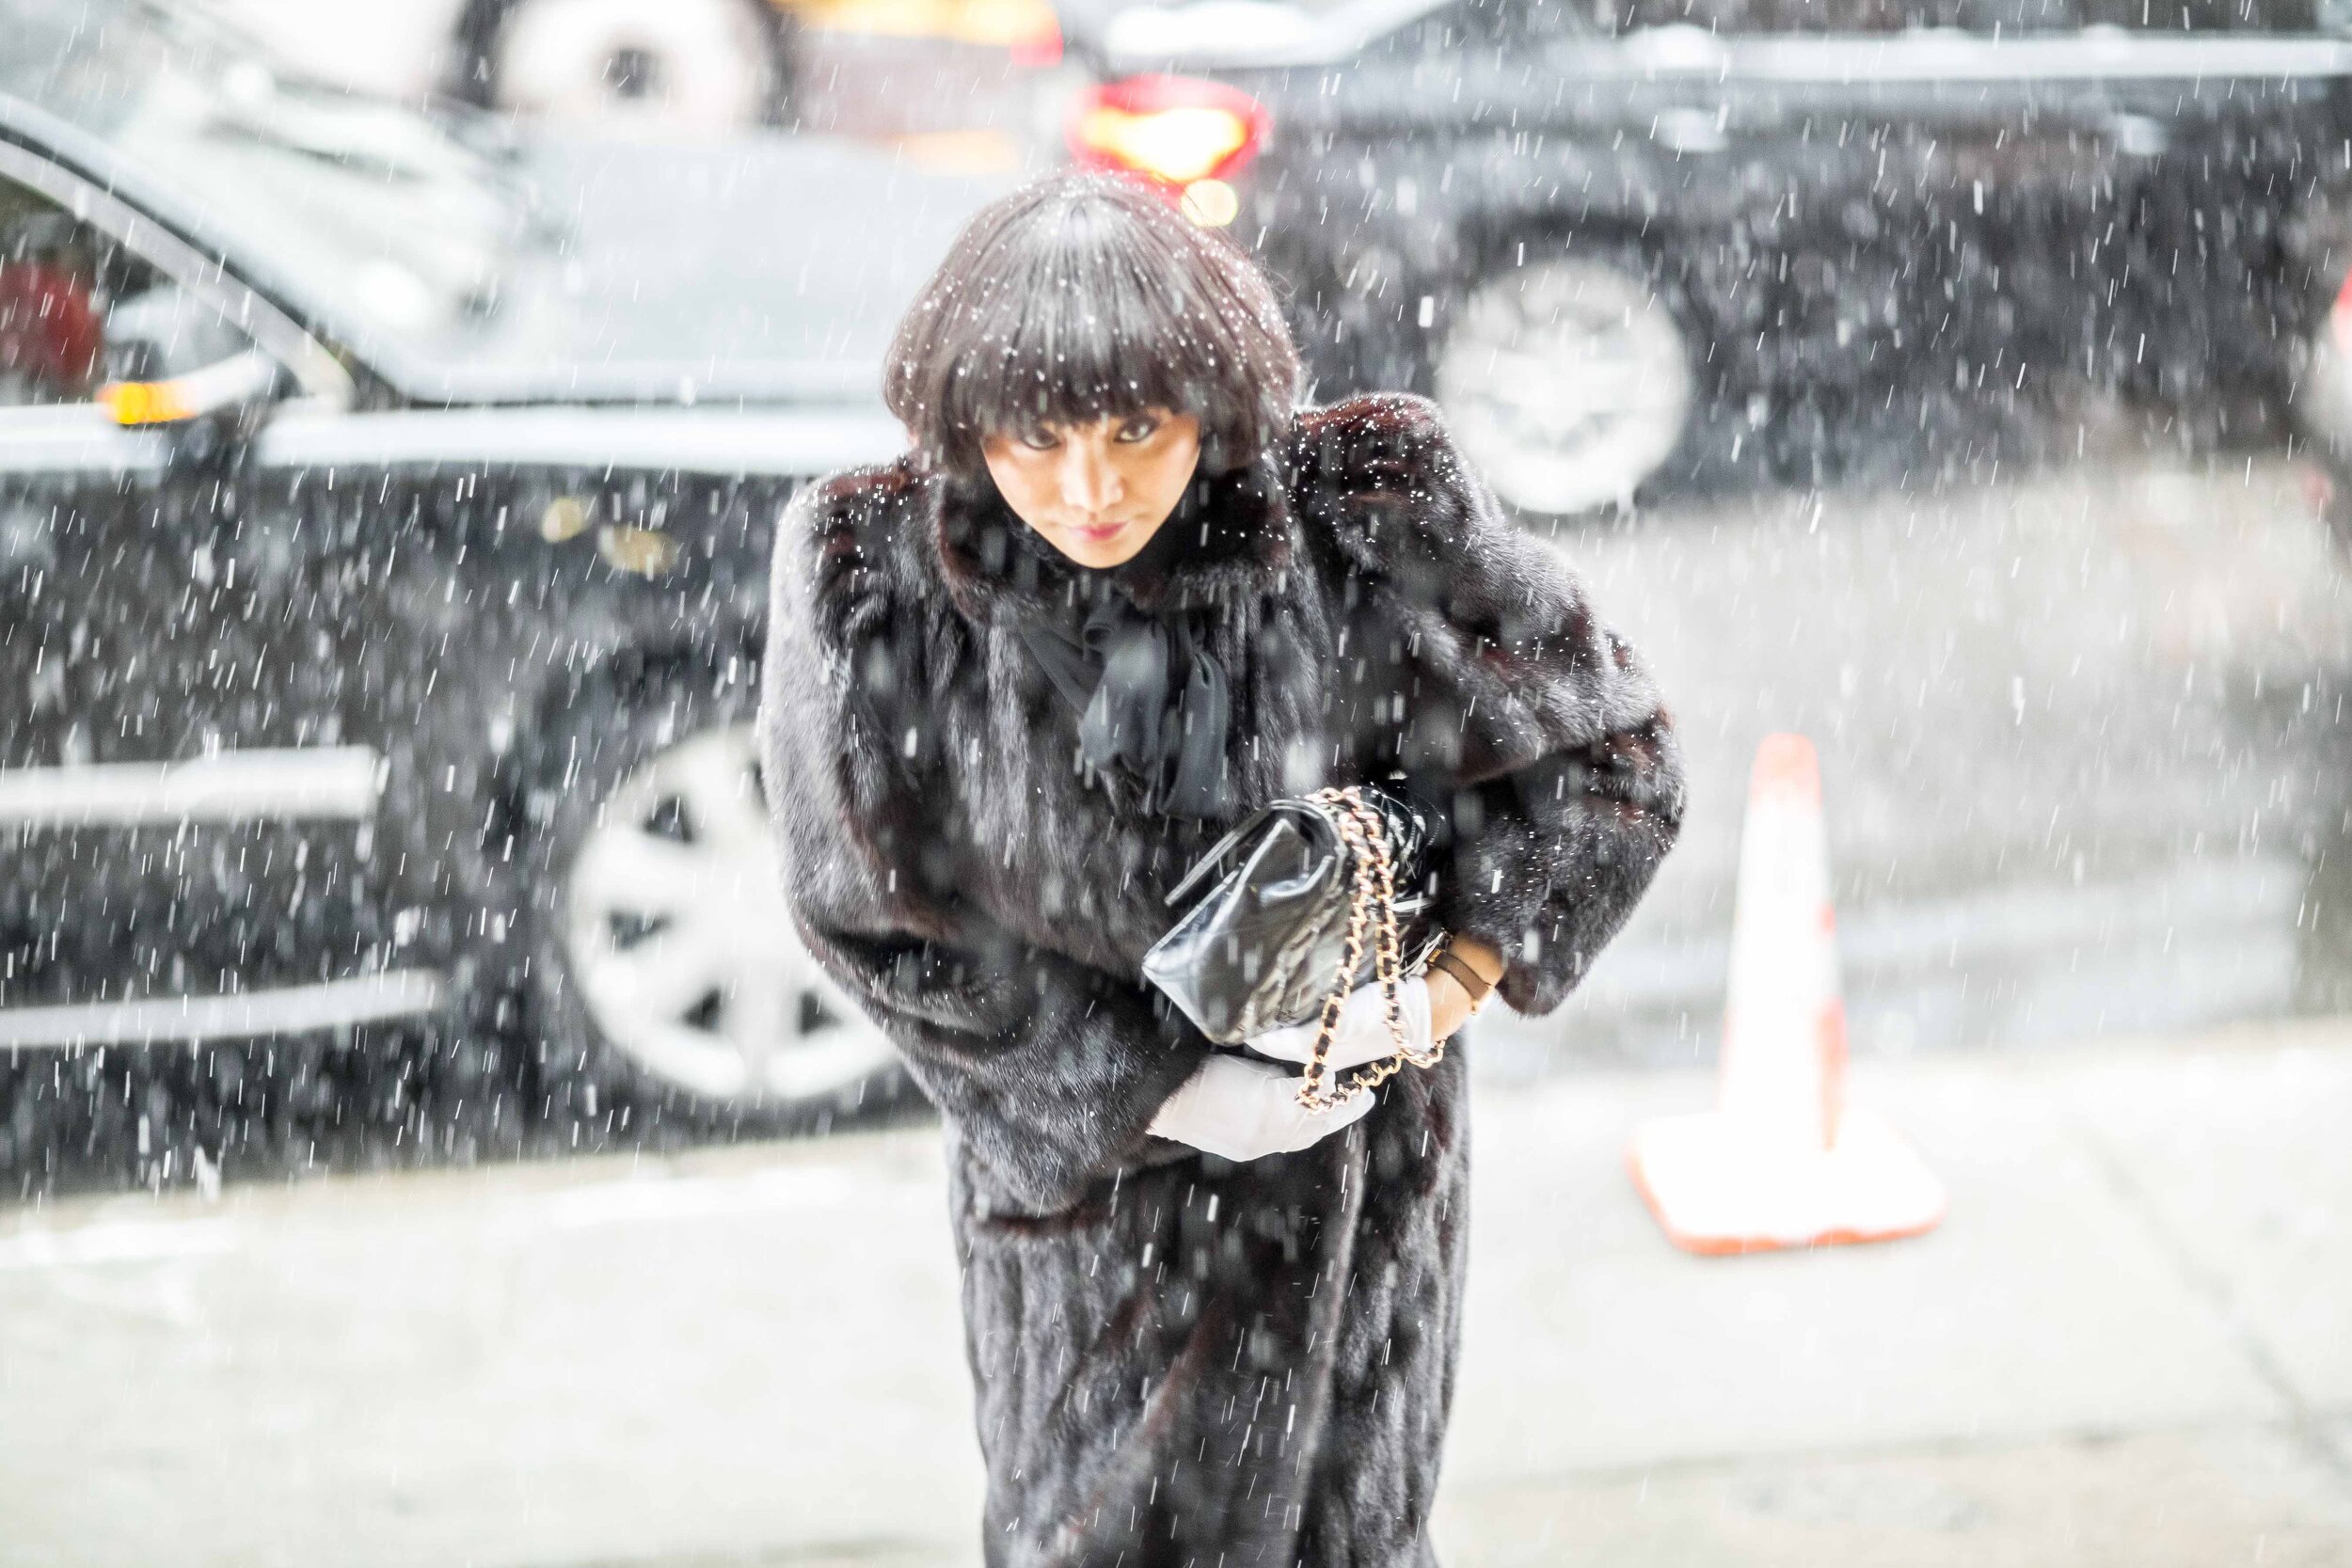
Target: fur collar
(1243, 539)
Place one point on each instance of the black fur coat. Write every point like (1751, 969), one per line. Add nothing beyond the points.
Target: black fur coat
(1178, 1360)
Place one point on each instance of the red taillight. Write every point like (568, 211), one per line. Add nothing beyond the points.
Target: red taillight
(1176, 131)
(1038, 46)
(2340, 319)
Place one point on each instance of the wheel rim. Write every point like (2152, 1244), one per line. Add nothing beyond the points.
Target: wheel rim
(667, 65)
(676, 932)
(1567, 383)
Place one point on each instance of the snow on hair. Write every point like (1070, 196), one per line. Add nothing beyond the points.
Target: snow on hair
(1081, 295)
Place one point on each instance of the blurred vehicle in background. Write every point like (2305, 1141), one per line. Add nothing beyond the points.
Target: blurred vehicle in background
(1672, 238)
(384, 534)
(2323, 403)
(955, 81)
(867, 67)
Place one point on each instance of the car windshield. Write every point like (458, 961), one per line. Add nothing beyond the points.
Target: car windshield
(368, 212)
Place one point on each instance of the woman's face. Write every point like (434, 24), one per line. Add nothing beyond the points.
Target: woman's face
(1098, 492)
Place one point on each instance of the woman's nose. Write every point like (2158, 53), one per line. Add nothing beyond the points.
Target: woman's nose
(1090, 480)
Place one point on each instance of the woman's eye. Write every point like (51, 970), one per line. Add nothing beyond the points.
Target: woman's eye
(1141, 428)
(1039, 440)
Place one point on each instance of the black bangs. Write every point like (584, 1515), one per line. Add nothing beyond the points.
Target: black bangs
(1083, 296)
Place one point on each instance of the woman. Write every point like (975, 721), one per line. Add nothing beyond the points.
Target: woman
(1122, 591)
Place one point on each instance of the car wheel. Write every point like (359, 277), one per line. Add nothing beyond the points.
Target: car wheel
(668, 970)
(1567, 382)
(646, 65)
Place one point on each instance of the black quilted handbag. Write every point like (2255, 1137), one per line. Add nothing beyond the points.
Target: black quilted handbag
(1308, 906)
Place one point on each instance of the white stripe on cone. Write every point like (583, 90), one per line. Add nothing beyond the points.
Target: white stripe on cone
(1781, 1162)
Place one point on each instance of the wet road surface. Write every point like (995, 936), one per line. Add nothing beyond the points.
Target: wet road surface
(2082, 741)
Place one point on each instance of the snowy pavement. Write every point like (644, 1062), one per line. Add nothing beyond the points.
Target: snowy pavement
(2126, 1346)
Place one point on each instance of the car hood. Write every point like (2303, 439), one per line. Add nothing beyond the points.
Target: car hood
(772, 269)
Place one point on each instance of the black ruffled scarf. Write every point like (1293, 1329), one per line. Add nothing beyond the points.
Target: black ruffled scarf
(1154, 704)
(1136, 646)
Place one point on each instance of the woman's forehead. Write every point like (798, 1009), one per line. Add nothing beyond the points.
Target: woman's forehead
(1110, 419)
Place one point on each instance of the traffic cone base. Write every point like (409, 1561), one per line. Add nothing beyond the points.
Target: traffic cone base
(1782, 1161)
(1721, 1182)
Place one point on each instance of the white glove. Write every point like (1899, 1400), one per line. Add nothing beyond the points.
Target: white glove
(1244, 1110)
(1363, 1032)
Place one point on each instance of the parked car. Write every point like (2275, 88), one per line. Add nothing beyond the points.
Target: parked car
(880, 66)
(384, 533)
(2323, 403)
(1641, 241)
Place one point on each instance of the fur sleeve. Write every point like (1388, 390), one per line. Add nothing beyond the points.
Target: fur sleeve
(1479, 669)
(1050, 1070)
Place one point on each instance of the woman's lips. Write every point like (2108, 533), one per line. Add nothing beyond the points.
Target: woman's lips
(1099, 534)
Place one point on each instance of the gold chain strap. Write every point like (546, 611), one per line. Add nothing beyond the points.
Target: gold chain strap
(1365, 833)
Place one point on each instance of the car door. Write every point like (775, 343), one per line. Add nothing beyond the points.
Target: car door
(184, 829)
(2055, 188)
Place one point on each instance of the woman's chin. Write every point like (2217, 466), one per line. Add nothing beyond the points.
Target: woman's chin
(1100, 553)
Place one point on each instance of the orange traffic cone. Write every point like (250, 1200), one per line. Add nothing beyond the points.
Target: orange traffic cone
(1783, 1161)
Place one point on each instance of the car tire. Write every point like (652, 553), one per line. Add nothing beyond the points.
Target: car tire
(657, 67)
(1568, 381)
(666, 976)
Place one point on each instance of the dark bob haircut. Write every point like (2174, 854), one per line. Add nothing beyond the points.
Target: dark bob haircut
(1085, 296)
